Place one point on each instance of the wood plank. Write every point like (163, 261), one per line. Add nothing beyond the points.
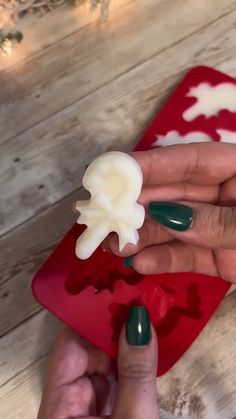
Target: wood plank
(54, 152)
(40, 33)
(201, 385)
(27, 343)
(90, 58)
(22, 252)
(203, 382)
(20, 397)
(232, 289)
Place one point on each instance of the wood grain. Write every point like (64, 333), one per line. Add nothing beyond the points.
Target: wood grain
(46, 163)
(202, 385)
(124, 69)
(26, 343)
(81, 63)
(41, 33)
(22, 253)
(20, 397)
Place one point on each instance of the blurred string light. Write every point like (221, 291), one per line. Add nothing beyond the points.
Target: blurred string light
(9, 41)
(94, 4)
(6, 47)
(11, 11)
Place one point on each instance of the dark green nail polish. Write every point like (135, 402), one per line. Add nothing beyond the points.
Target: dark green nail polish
(175, 216)
(128, 262)
(138, 329)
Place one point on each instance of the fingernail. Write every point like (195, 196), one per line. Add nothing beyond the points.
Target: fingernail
(175, 216)
(138, 328)
(128, 262)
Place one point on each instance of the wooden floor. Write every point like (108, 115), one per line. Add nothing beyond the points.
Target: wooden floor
(75, 88)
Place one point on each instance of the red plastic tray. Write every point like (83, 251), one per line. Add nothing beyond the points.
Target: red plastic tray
(93, 296)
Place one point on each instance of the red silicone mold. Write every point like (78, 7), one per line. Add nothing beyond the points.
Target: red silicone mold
(93, 296)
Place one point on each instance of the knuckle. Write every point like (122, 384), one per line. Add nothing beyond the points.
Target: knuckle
(172, 258)
(181, 258)
(207, 223)
(218, 224)
(225, 222)
(136, 371)
(142, 266)
(192, 165)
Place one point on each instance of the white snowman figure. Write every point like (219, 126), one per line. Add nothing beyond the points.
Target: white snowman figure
(114, 180)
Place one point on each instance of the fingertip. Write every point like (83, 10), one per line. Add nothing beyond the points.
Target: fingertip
(138, 342)
(129, 249)
(136, 263)
(141, 263)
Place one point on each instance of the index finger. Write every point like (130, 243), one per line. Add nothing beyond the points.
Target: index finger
(198, 163)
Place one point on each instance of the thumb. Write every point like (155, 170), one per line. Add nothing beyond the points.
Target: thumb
(209, 226)
(137, 367)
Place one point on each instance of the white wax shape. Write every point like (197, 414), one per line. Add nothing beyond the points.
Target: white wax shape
(174, 137)
(114, 180)
(210, 100)
(227, 136)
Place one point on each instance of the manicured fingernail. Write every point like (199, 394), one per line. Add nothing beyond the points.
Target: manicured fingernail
(128, 262)
(175, 216)
(138, 328)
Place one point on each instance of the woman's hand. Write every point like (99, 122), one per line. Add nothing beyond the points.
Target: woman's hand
(199, 235)
(80, 382)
